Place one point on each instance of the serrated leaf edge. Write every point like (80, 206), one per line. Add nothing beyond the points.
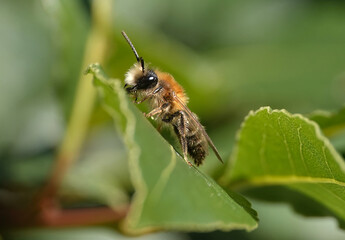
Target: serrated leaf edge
(278, 180)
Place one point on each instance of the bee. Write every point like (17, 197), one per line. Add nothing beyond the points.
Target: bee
(168, 103)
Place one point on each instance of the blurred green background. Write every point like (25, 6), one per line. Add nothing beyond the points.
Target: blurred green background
(230, 56)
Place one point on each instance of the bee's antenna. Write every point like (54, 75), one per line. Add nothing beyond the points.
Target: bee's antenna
(139, 59)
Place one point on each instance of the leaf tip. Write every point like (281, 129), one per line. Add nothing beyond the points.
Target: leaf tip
(92, 68)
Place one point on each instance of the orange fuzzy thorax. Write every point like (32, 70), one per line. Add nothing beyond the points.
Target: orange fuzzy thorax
(169, 82)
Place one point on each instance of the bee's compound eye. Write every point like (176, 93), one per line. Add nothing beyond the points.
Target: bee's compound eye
(152, 78)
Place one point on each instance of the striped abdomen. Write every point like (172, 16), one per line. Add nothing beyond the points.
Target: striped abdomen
(196, 143)
(197, 146)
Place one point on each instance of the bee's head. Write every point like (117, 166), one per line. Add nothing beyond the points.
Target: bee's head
(138, 77)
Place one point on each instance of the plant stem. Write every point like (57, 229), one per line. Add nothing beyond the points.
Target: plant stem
(84, 99)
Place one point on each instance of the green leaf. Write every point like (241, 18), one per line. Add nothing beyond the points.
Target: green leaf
(330, 123)
(277, 148)
(169, 194)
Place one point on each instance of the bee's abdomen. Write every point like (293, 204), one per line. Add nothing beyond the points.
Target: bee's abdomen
(197, 146)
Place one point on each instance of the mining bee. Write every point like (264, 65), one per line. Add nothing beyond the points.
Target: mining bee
(168, 103)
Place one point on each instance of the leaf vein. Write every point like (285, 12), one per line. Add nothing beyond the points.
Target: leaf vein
(326, 160)
(292, 165)
(262, 153)
(278, 180)
(301, 149)
(164, 177)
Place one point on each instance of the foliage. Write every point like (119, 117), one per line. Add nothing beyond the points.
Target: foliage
(277, 148)
(161, 178)
(61, 154)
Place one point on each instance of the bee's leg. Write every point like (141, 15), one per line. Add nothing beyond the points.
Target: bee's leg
(143, 99)
(158, 110)
(153, 112)
(184, 149)
(150, 95)
(182, 129)
(159, 126)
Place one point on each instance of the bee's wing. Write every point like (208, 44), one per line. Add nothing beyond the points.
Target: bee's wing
(196, 122)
